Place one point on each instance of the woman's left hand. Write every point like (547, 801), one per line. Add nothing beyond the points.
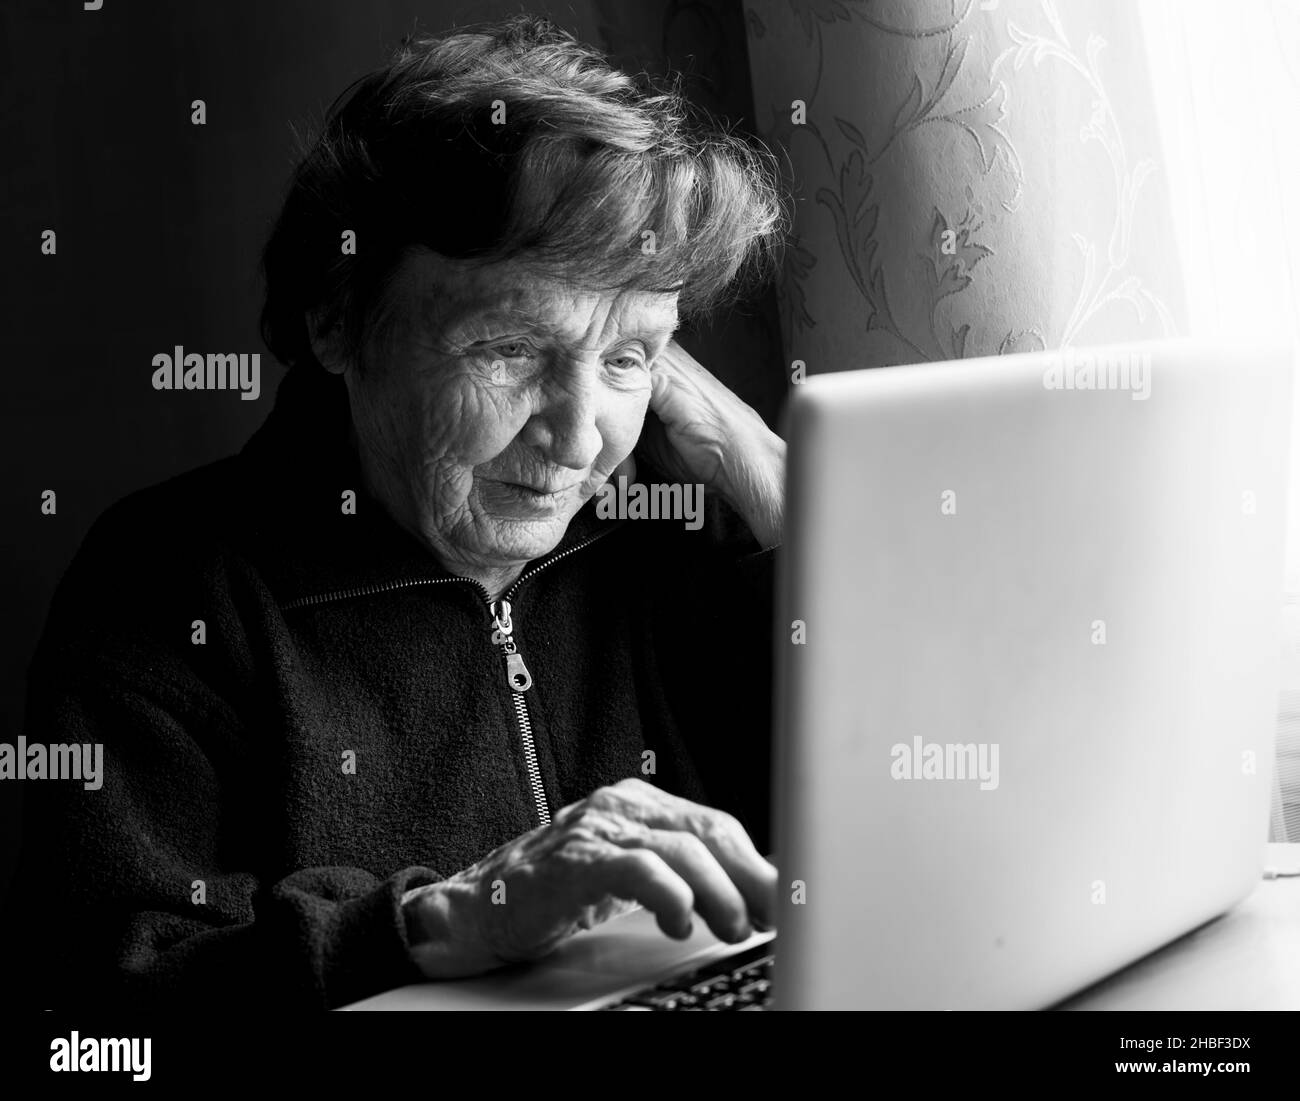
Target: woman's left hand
(697, 430)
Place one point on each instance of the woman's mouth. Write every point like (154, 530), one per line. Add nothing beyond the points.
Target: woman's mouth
(538, 499)
(540, 491)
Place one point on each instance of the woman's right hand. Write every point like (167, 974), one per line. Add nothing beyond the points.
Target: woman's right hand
(624, 844)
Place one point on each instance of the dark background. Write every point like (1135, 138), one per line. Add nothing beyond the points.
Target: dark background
(160, 224)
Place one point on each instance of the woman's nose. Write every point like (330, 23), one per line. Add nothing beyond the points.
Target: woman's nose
(565, 426)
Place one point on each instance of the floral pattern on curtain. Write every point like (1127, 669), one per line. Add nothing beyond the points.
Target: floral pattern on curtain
(971, 177)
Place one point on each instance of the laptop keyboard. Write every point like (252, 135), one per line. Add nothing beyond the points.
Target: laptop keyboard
(739, 982)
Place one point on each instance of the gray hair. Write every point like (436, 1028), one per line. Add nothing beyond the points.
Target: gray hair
(513, 140)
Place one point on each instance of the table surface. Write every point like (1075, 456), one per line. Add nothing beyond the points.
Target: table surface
(1247, 959)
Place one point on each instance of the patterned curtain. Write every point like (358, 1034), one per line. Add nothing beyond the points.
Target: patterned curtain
(972, 177)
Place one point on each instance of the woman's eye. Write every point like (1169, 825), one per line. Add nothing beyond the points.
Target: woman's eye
(514, 349)
(625, 363)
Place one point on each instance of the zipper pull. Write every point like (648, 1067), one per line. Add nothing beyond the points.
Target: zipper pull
(517, 675)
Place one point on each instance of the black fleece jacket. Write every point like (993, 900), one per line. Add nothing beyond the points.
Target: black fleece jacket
(345, 731)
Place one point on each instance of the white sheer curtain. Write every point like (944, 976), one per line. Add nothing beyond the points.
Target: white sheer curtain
(1227, 89)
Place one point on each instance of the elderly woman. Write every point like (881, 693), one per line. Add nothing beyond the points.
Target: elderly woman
(383, 697)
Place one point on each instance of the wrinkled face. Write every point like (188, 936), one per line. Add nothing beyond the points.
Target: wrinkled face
(498, 402)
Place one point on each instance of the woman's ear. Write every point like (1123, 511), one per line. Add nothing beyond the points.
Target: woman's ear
(326, 344)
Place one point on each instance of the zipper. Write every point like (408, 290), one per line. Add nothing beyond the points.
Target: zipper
(379, 587)
(518, 678)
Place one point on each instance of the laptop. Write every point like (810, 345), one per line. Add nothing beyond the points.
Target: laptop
(1029, 657)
